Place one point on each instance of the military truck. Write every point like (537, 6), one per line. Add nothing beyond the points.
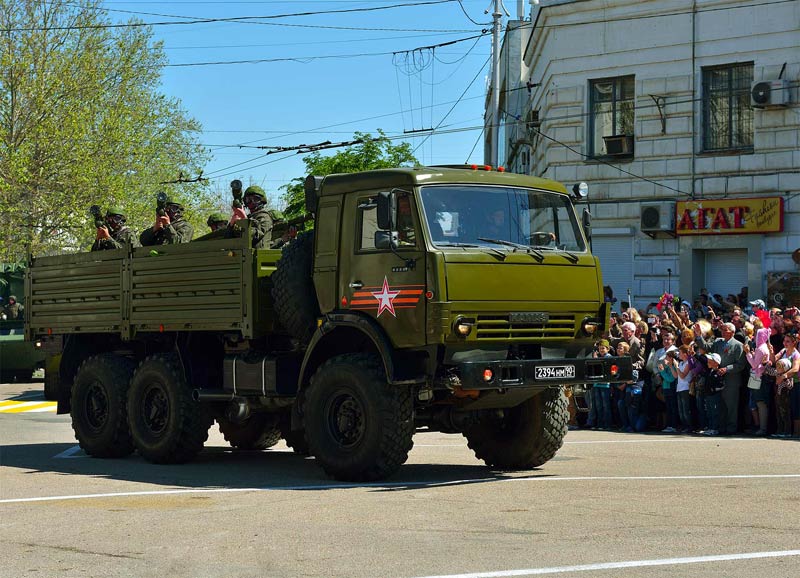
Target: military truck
(18, 358)
(452, 299)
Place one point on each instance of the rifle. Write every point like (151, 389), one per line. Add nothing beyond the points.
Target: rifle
(97, 215)
(236, 191)
(161, 204)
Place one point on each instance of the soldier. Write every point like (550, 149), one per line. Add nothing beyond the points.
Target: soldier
(115, 234)
(13, 310)
(217, 221)
(169, 229)
(261, 222)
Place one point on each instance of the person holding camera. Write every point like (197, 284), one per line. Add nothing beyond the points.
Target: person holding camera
(668, 370)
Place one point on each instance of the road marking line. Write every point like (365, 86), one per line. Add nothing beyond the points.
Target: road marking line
(29, 406)
(70, 453)
(626, 564)
(432, 483)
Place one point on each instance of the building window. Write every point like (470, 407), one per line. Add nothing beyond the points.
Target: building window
(611, 116)
(727, 115)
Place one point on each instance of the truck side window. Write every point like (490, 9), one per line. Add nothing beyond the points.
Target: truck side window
(368, 222)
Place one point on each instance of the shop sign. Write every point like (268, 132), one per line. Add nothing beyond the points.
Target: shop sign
(730, 216)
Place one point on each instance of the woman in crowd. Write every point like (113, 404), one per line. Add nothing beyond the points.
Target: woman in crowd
(786, 378)
(759, 357)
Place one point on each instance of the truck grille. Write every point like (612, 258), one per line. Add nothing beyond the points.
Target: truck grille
(499, 327)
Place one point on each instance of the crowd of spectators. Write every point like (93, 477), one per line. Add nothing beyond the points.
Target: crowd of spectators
(717, 366)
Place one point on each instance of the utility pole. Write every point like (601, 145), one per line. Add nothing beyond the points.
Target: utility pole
(497, 17)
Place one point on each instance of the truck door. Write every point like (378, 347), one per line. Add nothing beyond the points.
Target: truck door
(388, 286)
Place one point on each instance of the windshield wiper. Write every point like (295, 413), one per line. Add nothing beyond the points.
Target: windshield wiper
(529, 250)
(571, 257)
(494, 252)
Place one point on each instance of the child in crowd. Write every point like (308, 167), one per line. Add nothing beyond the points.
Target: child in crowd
(601, 392)
(685, 375)
(715, 383)
(668, 369)
(782, 398)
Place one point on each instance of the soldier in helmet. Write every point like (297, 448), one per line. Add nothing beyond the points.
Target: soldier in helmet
(13, 310)
(169, 229)
(115, 234)
(261, 222)
(217, 221)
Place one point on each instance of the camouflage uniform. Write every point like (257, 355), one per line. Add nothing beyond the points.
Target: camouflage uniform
(118, 240)
(14, 310)
(261, 228)
(178, 231)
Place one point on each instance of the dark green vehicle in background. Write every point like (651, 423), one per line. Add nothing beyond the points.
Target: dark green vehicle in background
(18, 358)
(452, 299)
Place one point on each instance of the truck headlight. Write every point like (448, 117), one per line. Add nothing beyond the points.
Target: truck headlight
(589, 326)
(462, 326)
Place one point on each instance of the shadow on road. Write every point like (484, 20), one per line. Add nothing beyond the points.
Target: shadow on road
(218, 467)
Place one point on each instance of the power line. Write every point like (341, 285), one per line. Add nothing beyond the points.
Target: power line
(255, 19)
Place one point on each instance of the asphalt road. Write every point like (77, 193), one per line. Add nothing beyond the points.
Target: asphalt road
(608, 505)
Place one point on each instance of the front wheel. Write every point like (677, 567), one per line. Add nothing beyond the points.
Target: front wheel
(98, 406)
(524, 436)
(358, 427)
(167, 425)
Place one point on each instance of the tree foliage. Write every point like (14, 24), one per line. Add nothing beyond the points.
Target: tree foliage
(367, 154)
(82, 122)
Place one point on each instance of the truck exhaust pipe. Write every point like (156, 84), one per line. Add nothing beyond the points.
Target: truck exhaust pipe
(209, 395)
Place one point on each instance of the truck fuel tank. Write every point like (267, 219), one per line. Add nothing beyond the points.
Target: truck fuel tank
(257, 373)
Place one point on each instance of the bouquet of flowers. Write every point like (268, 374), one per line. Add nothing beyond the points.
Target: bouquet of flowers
(667, 299)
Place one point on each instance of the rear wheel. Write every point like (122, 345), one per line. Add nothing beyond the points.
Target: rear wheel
(167, 425)
(259, 432)
(524, 436)
(358, 426)
(98, 406)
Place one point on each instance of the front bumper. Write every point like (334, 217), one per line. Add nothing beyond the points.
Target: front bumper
(544, 372)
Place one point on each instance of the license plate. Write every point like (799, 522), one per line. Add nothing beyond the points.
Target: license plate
(529, 317)
(555, 372)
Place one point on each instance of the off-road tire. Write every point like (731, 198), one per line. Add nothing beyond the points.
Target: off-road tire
(529, 435)
(51, 382)
(358, 427)
(98, 406)
(259, 432)
(295, 439)
(167, 425)
(24, 376)
(293, 294)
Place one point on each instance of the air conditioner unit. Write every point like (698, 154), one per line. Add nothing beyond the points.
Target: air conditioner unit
(619, 145)
(658, 218)
(765, 93)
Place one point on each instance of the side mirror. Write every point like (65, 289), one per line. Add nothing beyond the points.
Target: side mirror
(587, 223)
(387, 211)
(386, 240)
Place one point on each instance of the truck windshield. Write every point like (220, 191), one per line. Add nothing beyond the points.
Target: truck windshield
(500, 216)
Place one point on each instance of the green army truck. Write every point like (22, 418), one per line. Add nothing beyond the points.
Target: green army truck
(451, 299)
(18, 358)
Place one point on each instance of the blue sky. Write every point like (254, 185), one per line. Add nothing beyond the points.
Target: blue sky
(311, 100)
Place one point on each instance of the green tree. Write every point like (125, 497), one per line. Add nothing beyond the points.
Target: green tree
(82, 122)
(367, 154)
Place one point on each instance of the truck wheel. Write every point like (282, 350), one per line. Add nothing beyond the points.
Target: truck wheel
(527, 435)
(293, 294)
(98, 406)
(50, 386)
(295, 439)
(24, 376)
(358, 427)
(257, 433)
(167, 426)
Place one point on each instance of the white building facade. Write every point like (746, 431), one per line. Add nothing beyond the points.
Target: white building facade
(692, 183)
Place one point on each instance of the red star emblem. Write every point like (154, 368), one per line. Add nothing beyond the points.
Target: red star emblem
(385, 297)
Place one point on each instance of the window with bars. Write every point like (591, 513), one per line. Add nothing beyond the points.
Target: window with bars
(727, 115)
(611, 106)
